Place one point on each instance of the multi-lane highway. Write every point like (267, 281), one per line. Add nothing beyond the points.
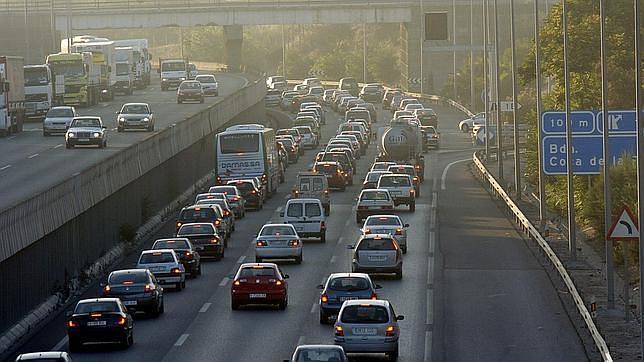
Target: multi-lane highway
(471, 289)
(30, 162)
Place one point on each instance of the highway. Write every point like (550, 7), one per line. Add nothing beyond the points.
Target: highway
(30, 162)
(471, 289)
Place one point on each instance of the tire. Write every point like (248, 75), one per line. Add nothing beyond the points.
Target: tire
(199, 269)
(283, 304)
(179, 101)
(343, 188)
(162, 308)
(68, 146)
(298, 260)
(392, 356)
(126, 342)
(404, 250)
(327, 210)
(324, 319)
(74, 345)
(323, 237)
(351, 181)
(45, 133)
(234, 305)
(465, 128)
(201, 101)
(154, 312)
(151, 128)
(178, 286)
(418, 192)
(258, 259)
(412, 206)
(399, 274)
(183, 283)
(358, 219)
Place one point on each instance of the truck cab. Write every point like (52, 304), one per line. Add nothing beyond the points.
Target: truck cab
(173, 72)
(123, 70)
(39, 90)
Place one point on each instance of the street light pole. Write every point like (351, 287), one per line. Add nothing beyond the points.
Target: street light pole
(517, 156)
(486, 81)
(364, 53)
(454, 48)
(283, 52)
(497, 81)
(422, 47)
(472, 83)
(537, 64)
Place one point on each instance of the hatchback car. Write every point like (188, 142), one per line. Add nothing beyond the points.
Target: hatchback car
(209, 84)
(164, 265)
(58, 120)
(250, 192)
(205, 238)
(259, 283)
(100, 320)
(318, 353)
(204, 214)
(307, 216)
(51, 356)
(138, 289)
(373, 202)
(188, 254)
(190, 90)
(278, 241)
(234, 197)
(387, 224)
(135, 115)
(368, 326)
(333, 172)
(339, 288)
(377, 253)
(431, 137)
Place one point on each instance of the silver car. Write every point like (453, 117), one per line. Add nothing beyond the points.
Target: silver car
(278, 241)
(387, 224)
(58, 120)
(165, 265)
(368, 326)
(377, 253)
(318, 353)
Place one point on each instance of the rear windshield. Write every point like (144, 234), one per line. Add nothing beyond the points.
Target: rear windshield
(257, 272)
(312, 209)
(383, 220)
(190, 85)
(196, 229)
(374, 195)
(349, 284)
(294, 210)
(327, 169)
(276, 230)
(205, 79)
(377, 244)
(364, 314)
(406, 170)
(60, 112)
(319, 355)
(394, 181)
(171, 244)
(304, 130)
(232, 190)
(153, 258)
(198, 214)
(210, 196)
(96, 307)
(374, 176)
(128, 278)
(308, 184)
(245, 186)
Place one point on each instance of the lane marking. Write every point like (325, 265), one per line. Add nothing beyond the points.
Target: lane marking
(12, 137)
(4, 167)
(340, 240)
(34, 155)
(181, 340)
(430, 269)
(430, 311)
(241, 259)
(60, 344)
(313, 307)
(300, 340)
(58, 145)
(279, 209)
(205, 307)
(333, 259)
(444, 175)
(224, 282)
(428, 346)
(76, 174)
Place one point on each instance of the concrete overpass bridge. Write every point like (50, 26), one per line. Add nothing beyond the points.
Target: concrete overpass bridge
(78, 16)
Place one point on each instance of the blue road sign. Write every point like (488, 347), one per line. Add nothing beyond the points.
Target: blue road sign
(587, 140)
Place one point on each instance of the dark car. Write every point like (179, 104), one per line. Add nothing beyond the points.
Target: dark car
(351, 85)
(431, 137)
(251, 194)
(358, 113)
(228, 215)
(86, 131)
(344, 161)
(427, 117)
(233, 196)
(187, 253)
(201, 213)
(138, 289)
(100, 320)
(340, 287)
(334, 174)
(371, 93)
(135, 115)
(205, 238)
(291, 149)
(190, 90)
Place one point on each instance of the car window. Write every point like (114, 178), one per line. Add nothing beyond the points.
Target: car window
(318, 184)
(135, 109)
(60, 112)
(349, 284)
(364, 314)
(394, 181)
(201, 213)
(252, 272)
(171, 244)
(96, 307)
(384, 220)
(190, 85)
(305, 184)
(319, 355)
(376, 244)
(294, 210)
(86, 122)
(312, 209)
(196, 229)
(154, 258)
(244, 186)
(205, 79)
(375, 195)
(228, 190)
(277, 230)
(128, 278)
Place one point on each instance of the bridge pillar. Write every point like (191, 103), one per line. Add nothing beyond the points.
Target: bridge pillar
(410, 38)
(233, 37)
(30, 37)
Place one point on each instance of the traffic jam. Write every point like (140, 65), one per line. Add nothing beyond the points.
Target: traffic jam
(251, 162)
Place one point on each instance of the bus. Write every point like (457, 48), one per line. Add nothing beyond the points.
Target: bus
(245, 151)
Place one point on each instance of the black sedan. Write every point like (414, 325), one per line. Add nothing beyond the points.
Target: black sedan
(187, 253)
(137, 289)
(86, 131)
(100, 320)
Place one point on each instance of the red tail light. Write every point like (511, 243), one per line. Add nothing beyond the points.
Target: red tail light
(399, 231)
(339, 331)
(236, 282)
(390, 331)
(236, 198)
(72, 324)
(175, 271)
(106, 290)
(253, 192)
(261, 243)
(293, 243)
(214, 241)
(322, 225)
(179, 225)
(226, 213)
(324, 298)
(374, 296)
(412, 191)
(278, 282)
(217, 222)
(121, 321)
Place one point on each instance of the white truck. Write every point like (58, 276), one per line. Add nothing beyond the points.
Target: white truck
(12, 94)
(123, 69)
(173, 72)
(142, 60)
(40, 90)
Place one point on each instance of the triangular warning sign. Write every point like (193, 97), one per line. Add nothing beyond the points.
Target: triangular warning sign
(625, 227)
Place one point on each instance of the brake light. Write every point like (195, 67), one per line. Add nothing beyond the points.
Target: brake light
(278, 282)
(326, 191)
(95, 315)
(374, 296)
(322, 225)
(415, 179)
(175, 271)
(236, 198)
(121, 321)
(324, 298)
(367, 231)
(253, 192)
(72, 324)
(398, 231)
(236, 282)
(106, 290)
(390, 331)
(217, 222)
(293, 243)
(262, 243)
(412, 191)
(214, 241)
(226, 213)
(179, 225)
(417, 167)
(188, 254)
(339, 331)
(148, 288)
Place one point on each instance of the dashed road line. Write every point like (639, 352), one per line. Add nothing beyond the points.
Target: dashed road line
(60, 344)
(76, 174)
(205, 307)
(34, 155)
(4, 167)
(314, 307)
(58, 145)
(224, 282)
(300, 340)
(241, 259)
(333, 259)
(428, 346)
(430, 311)
(181, 340)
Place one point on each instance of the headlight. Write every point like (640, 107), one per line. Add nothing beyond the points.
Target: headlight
(146, 119)
(96, 134)
(164, 79)
(121, 119)
(182, 78)
(70, 134)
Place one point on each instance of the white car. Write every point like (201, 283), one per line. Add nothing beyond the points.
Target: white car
(373, 202)
(58, 120)
(165, 265)
(387, 224)
(278, 241)
(382, 165)
(209, 84)
(307, 216)
(468, 124)
(401, 189)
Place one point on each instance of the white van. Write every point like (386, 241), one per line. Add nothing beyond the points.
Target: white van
(307, 216)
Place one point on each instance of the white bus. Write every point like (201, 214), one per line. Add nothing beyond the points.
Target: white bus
(246, 151)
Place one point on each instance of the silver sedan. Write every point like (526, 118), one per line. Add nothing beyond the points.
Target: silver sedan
(387, 224)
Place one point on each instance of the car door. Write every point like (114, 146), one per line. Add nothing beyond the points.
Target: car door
(313, 217)
(295, 215)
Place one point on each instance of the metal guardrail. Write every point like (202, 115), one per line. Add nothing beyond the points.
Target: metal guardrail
(534, 234)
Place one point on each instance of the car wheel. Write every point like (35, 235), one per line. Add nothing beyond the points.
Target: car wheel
(404, 249)
(179, 101)
(201, 100)
(151, 128)
(68, 146)
(126, 342)
(418, 192)
(465, 128)
(234, 305)
(393, 356)
(343, 187)
(327, 210)
(412, 206)
(399, 274)
(45, 133)
(298, 260)
(283, 304)
(155, 311)
(178, 286)
(199, 269)
(323, 237)
(119, 129)
(258, 259)
(358, 219)
(74, 345)
(162, 307)
(183, 283)
(324, 319)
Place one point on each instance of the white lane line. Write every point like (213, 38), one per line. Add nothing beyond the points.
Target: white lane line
(430, 269)
(428, 346)
(333, 259)
(444, 175)
(224, 282)
(314, 307)
(279, 209)
(340, 240)
(4, 167)
(60, 344)
(241, 259)
(300, 340)
(12, 137)
(430, 311)
(58, 145)
(34, 155)
(323, 280)
(113, 129)
(205, 307)
(181, 340)
(76, 174)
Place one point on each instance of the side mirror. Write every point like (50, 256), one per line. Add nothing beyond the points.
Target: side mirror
(117, 112)
(285, 276)
(104, 127)
(320, 286)
(406, 225)
(7, 87)
(350, 247)
(378, 286)
(281, 213)
(400, 317)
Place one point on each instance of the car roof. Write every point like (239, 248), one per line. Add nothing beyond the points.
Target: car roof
(135, 104)
(383, 190)
(61, 107)
(320, 346)
(383, 215)
(172, 239)
(97, 300)
(377, 302)
(152, 251)
(278, 224)
(39, 355)
(250, 265)
(349, 275)
(129, 271)
(303, 200)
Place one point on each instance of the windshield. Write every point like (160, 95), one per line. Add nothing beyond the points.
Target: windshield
(257, 271)
(156, 258)
(86, 122)
(239, 143)
(84, 308)
(36, 76)
(384, 220)
(349, 284)
(205, 79)
(122, 69)
(173, 66)
(135, 109)
(68, 68)
(227, 190)
(244, 187)
(60, 112)
(190, 85)
(319, 355)
(128, 278)
(394, 181)
(375, 195)
(365, 314)
(196, 229)
(377, 244)
(277, 230)
(171, 244)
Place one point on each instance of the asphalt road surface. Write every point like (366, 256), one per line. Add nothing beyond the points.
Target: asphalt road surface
(31, 163)
(471, 290)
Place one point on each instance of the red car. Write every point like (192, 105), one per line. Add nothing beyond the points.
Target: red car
(259, 283)
(334, 173)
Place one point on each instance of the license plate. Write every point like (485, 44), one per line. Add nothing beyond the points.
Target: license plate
(130, 302)
(342, 299)
(96, 323)
(257, 295)
(156, 269)
(365, 331)
(83, 140)
(377, 258)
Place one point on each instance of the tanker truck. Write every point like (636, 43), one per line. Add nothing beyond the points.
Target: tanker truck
(401, 142)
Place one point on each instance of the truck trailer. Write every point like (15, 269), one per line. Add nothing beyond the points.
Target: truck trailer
(12, 94)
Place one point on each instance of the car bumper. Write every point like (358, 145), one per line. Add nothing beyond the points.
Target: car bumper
(171, 82)
(54, 127)
(373, 347)
(403, 200)
(135, 124)
(190, 98)
(359, 268)
(142, 303)
(85, 141)
(101, 334)
(243, 297)
(210, 251)
(169, 278)
(278, 253)
(211, 92)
